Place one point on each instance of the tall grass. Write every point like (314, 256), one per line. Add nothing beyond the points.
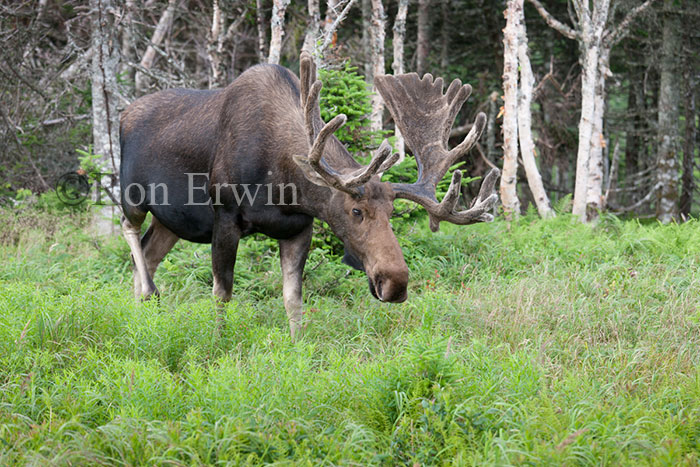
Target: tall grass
(532, 342)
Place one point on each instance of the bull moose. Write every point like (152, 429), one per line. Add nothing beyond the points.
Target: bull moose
(180, 147)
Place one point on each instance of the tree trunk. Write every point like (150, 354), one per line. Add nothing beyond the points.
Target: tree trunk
(589, 81)
(105, 115)
(527, 146)
(127, 47)
(215, 46)
(142, 80)
(366, 6)
(445, 49)
(279, 7)
(635, 110)
(423, 44)
(509, 194)
(594, 196)
(377, 39)
(667, 175)
(262, 41)
(491, 127)
(313, 31)
(688, 182)
(397, 65)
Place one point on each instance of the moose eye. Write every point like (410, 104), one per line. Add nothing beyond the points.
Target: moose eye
(357, 212)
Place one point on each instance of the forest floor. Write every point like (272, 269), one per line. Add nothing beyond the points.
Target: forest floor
(534, 342)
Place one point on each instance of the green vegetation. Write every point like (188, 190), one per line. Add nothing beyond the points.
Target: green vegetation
(346, 92)
(535, 342)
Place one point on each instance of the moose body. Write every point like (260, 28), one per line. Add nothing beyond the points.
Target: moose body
(215, 166)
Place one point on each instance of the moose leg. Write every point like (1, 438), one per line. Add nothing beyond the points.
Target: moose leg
(224, 246)
(143, 284)
(156, 243)
(293, 254)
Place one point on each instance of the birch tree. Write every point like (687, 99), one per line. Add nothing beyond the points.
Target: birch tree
(215, 45)
(595, 39)
(279, 7)
(218, 37)
(527, 146)
(313, 30)
(397, 64)
(105, 115)
(509, 194)
(377, 44)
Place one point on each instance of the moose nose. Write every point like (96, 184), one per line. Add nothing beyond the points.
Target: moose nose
(392, 288)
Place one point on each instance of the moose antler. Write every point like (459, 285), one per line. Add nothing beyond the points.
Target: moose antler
(318, 135)
(425, 116)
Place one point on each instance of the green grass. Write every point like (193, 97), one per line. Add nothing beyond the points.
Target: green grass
(536, 342)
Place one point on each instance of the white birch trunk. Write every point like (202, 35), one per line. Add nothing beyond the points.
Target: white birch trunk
(594, 196)
(142, 80)
(527, 146)
(377, 41)
(585, 129)
(279, 7)
(215, 45)
(509, 195)
(105, 115)
(314, 29)
(397, 65)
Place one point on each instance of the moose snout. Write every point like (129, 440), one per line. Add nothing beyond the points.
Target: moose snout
(390, 286)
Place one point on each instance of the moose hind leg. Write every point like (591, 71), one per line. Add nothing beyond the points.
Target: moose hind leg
(156, 243)
(293, 254)
(143, 284)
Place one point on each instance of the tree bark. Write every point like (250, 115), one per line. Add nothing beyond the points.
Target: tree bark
(377, 40)
(215, 46)
(142, 80)
(592, 26)
(423, 43)
(366, 6)
(260, 22)
(105, 115)
(667, 174)
(445, 32)
(491, 127)
(313, 30)
(127, 47)
(527, 146)
(279, 7)
(397, 65)
(509, 194)
(688, 181)
(594, 196)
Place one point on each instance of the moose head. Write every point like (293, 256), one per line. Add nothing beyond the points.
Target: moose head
(360, 205)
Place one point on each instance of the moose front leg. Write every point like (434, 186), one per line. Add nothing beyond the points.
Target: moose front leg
(224, 247)
(293, 254)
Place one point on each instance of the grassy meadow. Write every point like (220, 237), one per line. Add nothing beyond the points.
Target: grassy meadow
(533, 342)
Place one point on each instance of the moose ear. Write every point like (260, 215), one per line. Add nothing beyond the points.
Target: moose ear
(309, 172)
